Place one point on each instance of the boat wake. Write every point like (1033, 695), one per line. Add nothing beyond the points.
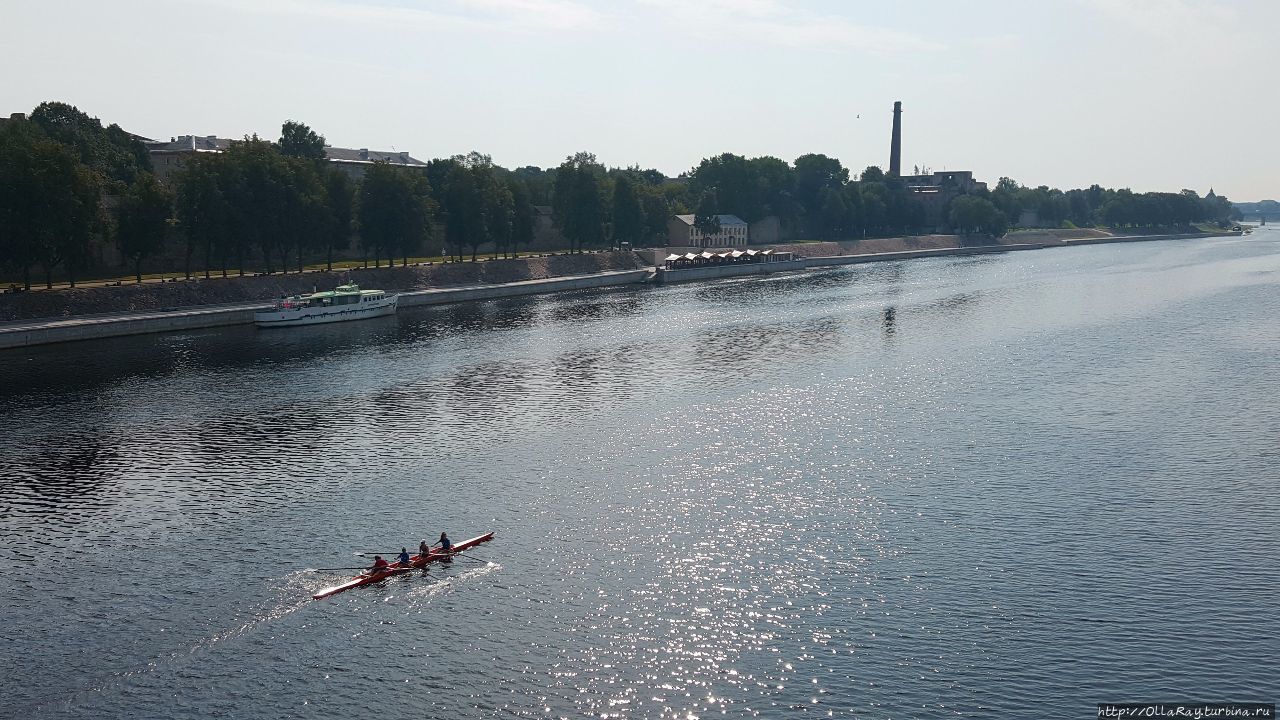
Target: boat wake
(292, 594)
(425, 592)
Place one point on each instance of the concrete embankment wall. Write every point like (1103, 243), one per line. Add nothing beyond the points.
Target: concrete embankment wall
(30, 333)
(89, 328)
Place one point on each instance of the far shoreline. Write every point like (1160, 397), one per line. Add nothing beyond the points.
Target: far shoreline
(115, 311)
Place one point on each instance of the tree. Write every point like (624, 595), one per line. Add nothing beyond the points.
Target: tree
(659, 204)
(50, 203)
(340, 206)
(203, 211)
(707, 219)
(463, 209)
(114, 154)
(775, 185)
(495, 210)
(395, 210)
(855, 212)
(972, 214)
(628, 215)
(523, 215)
(298, 140)
(578, 203)
(279, 201)
(734, 183)
(832, 213)
(814, 173)
(19, 141)
(875, 208)
(538, 182)
(142, 220)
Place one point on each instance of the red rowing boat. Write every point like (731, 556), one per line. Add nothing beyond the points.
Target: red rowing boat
(417, 561)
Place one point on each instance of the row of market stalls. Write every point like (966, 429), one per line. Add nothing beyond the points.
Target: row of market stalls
(729, 257)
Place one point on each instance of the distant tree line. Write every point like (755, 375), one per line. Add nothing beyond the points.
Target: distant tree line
(1098, 206)
(67, 182)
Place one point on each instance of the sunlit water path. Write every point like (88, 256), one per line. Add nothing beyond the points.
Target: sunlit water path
(953, 487)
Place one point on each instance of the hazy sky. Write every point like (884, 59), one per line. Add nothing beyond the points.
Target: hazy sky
(1148, 94)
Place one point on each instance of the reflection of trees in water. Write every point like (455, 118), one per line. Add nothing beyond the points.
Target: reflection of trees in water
(887, 275)
(889, 322)
(445, 320)
(596, 306)
(487, 390)
(246, 449)
(765, 287)
(960, 303)
(60, 473)
(73, 368)
(740, 345)
(578, 370)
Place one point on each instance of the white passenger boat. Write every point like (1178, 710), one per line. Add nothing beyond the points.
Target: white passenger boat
(345, 302)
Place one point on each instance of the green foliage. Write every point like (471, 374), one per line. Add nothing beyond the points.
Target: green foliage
(579, 204)
(751, 189)
(298, 140)
(538, 182)
(276, 200)
(815, 173)
(50, 203)
(142, 220)
(496, 210)
(204, 212)
(832, 214)
(252, 197)
(395, 211)
(523, 215)
(970, 214)
(707, 218)
(1095, 205)
(111, 152)
(339, 212)
(628, 214)
(279, 201)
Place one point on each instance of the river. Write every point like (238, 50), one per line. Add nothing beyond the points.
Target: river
(1011, 485)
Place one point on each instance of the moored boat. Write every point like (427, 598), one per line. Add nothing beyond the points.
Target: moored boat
(345, 302)
(417, 561)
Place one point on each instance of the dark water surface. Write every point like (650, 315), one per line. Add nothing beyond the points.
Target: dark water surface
(1002, 486)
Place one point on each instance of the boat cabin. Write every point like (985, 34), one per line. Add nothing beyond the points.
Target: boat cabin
(342, 295)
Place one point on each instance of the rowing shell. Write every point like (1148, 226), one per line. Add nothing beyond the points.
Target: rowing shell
(417, 561)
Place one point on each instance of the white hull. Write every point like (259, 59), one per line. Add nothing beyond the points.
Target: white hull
(317, 315)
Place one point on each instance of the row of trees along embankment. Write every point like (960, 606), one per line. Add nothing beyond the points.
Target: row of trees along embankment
(70, 187)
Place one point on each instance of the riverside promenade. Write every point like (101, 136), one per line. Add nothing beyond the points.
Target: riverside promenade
(25, 333)
(41, 331)
(820, 261)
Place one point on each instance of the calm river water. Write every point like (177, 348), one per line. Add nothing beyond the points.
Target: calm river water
(1002, 486)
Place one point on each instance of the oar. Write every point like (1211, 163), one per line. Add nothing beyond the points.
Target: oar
(465, 556)
(362, 567)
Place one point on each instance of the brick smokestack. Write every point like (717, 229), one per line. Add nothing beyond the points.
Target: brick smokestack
(895, 147)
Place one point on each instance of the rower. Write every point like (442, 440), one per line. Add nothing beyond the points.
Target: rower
(445, 545)
(404, 557)
(378, 565)
(424, 549)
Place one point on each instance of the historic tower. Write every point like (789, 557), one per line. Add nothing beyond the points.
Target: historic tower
(895, 147)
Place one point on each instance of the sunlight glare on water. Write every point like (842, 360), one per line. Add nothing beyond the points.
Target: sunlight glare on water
(951, 487)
